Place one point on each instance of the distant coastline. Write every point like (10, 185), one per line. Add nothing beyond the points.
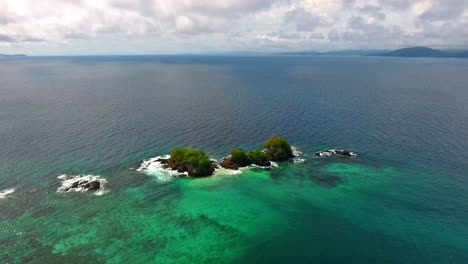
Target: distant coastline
(412, 52)
(12, 55)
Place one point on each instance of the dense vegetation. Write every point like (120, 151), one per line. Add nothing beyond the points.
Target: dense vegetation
(278, 149)
(259, 158)
(238, 158)
(195, 162)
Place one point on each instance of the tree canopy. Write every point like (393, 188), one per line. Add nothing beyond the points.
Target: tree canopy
(278, 149)
(259, 158)
(239, 157)
(195, 162)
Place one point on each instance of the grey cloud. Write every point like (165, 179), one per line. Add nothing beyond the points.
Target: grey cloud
(358, 23)
(144, 7)
(14, 39)
(7, 39)
(441, 32)
(316, 35)
(304, 20)
(76, 36)
(285, 35)
(6, 15)
(333, 35)
(224, 8)
(4, 20)
(110, 29)
(445, 10)
(226, 24)
(229, 7)
(398, 4)
(32, 39)
(360, 31)
(194, 25)
(394, 4)
(373, 11)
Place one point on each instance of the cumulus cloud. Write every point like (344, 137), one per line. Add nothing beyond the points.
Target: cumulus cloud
(164, 26)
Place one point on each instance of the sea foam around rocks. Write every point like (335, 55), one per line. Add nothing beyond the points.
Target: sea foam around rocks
(332, 152)
(76, 183)
(154, 167)
(298, 155)
(223, 171)
(5, 193)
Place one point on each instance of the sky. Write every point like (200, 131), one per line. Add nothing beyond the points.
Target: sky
(79, 27)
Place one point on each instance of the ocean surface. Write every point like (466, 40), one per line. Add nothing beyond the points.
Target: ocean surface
(403, 199)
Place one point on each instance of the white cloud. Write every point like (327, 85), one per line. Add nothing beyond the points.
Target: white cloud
(166, 26)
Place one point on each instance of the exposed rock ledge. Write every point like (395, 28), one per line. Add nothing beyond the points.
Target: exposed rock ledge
(181, 168)
(81, 183)
(333, 152)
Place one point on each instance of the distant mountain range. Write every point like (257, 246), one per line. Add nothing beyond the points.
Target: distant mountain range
(414, 52)
(425, 52)
(336, 53)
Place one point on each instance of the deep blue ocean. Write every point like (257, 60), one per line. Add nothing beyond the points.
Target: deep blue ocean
(403, 199)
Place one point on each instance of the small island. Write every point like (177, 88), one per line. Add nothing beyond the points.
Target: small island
(239, 158)
(276, 149)
(191, 161)
(195, 163)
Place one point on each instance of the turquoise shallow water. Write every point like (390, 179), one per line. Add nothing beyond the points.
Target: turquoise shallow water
(402, 200)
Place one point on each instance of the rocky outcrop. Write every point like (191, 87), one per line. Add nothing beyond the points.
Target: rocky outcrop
(333, 152)
(227, 163)
(81, 183)
(195, 163)
(188, 169)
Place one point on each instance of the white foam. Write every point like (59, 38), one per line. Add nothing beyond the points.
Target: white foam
(223, 171)
(331, 152)
(274, 164)
(296, 151)
(4, 194)
(260, 167)
(68, 180)
(298, 155)
(153, 167)
(299, 160)
(326, 153)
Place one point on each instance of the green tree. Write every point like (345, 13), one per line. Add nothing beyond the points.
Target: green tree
(259, 158)
(195, 162)
(239, 157)
(278, 149)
